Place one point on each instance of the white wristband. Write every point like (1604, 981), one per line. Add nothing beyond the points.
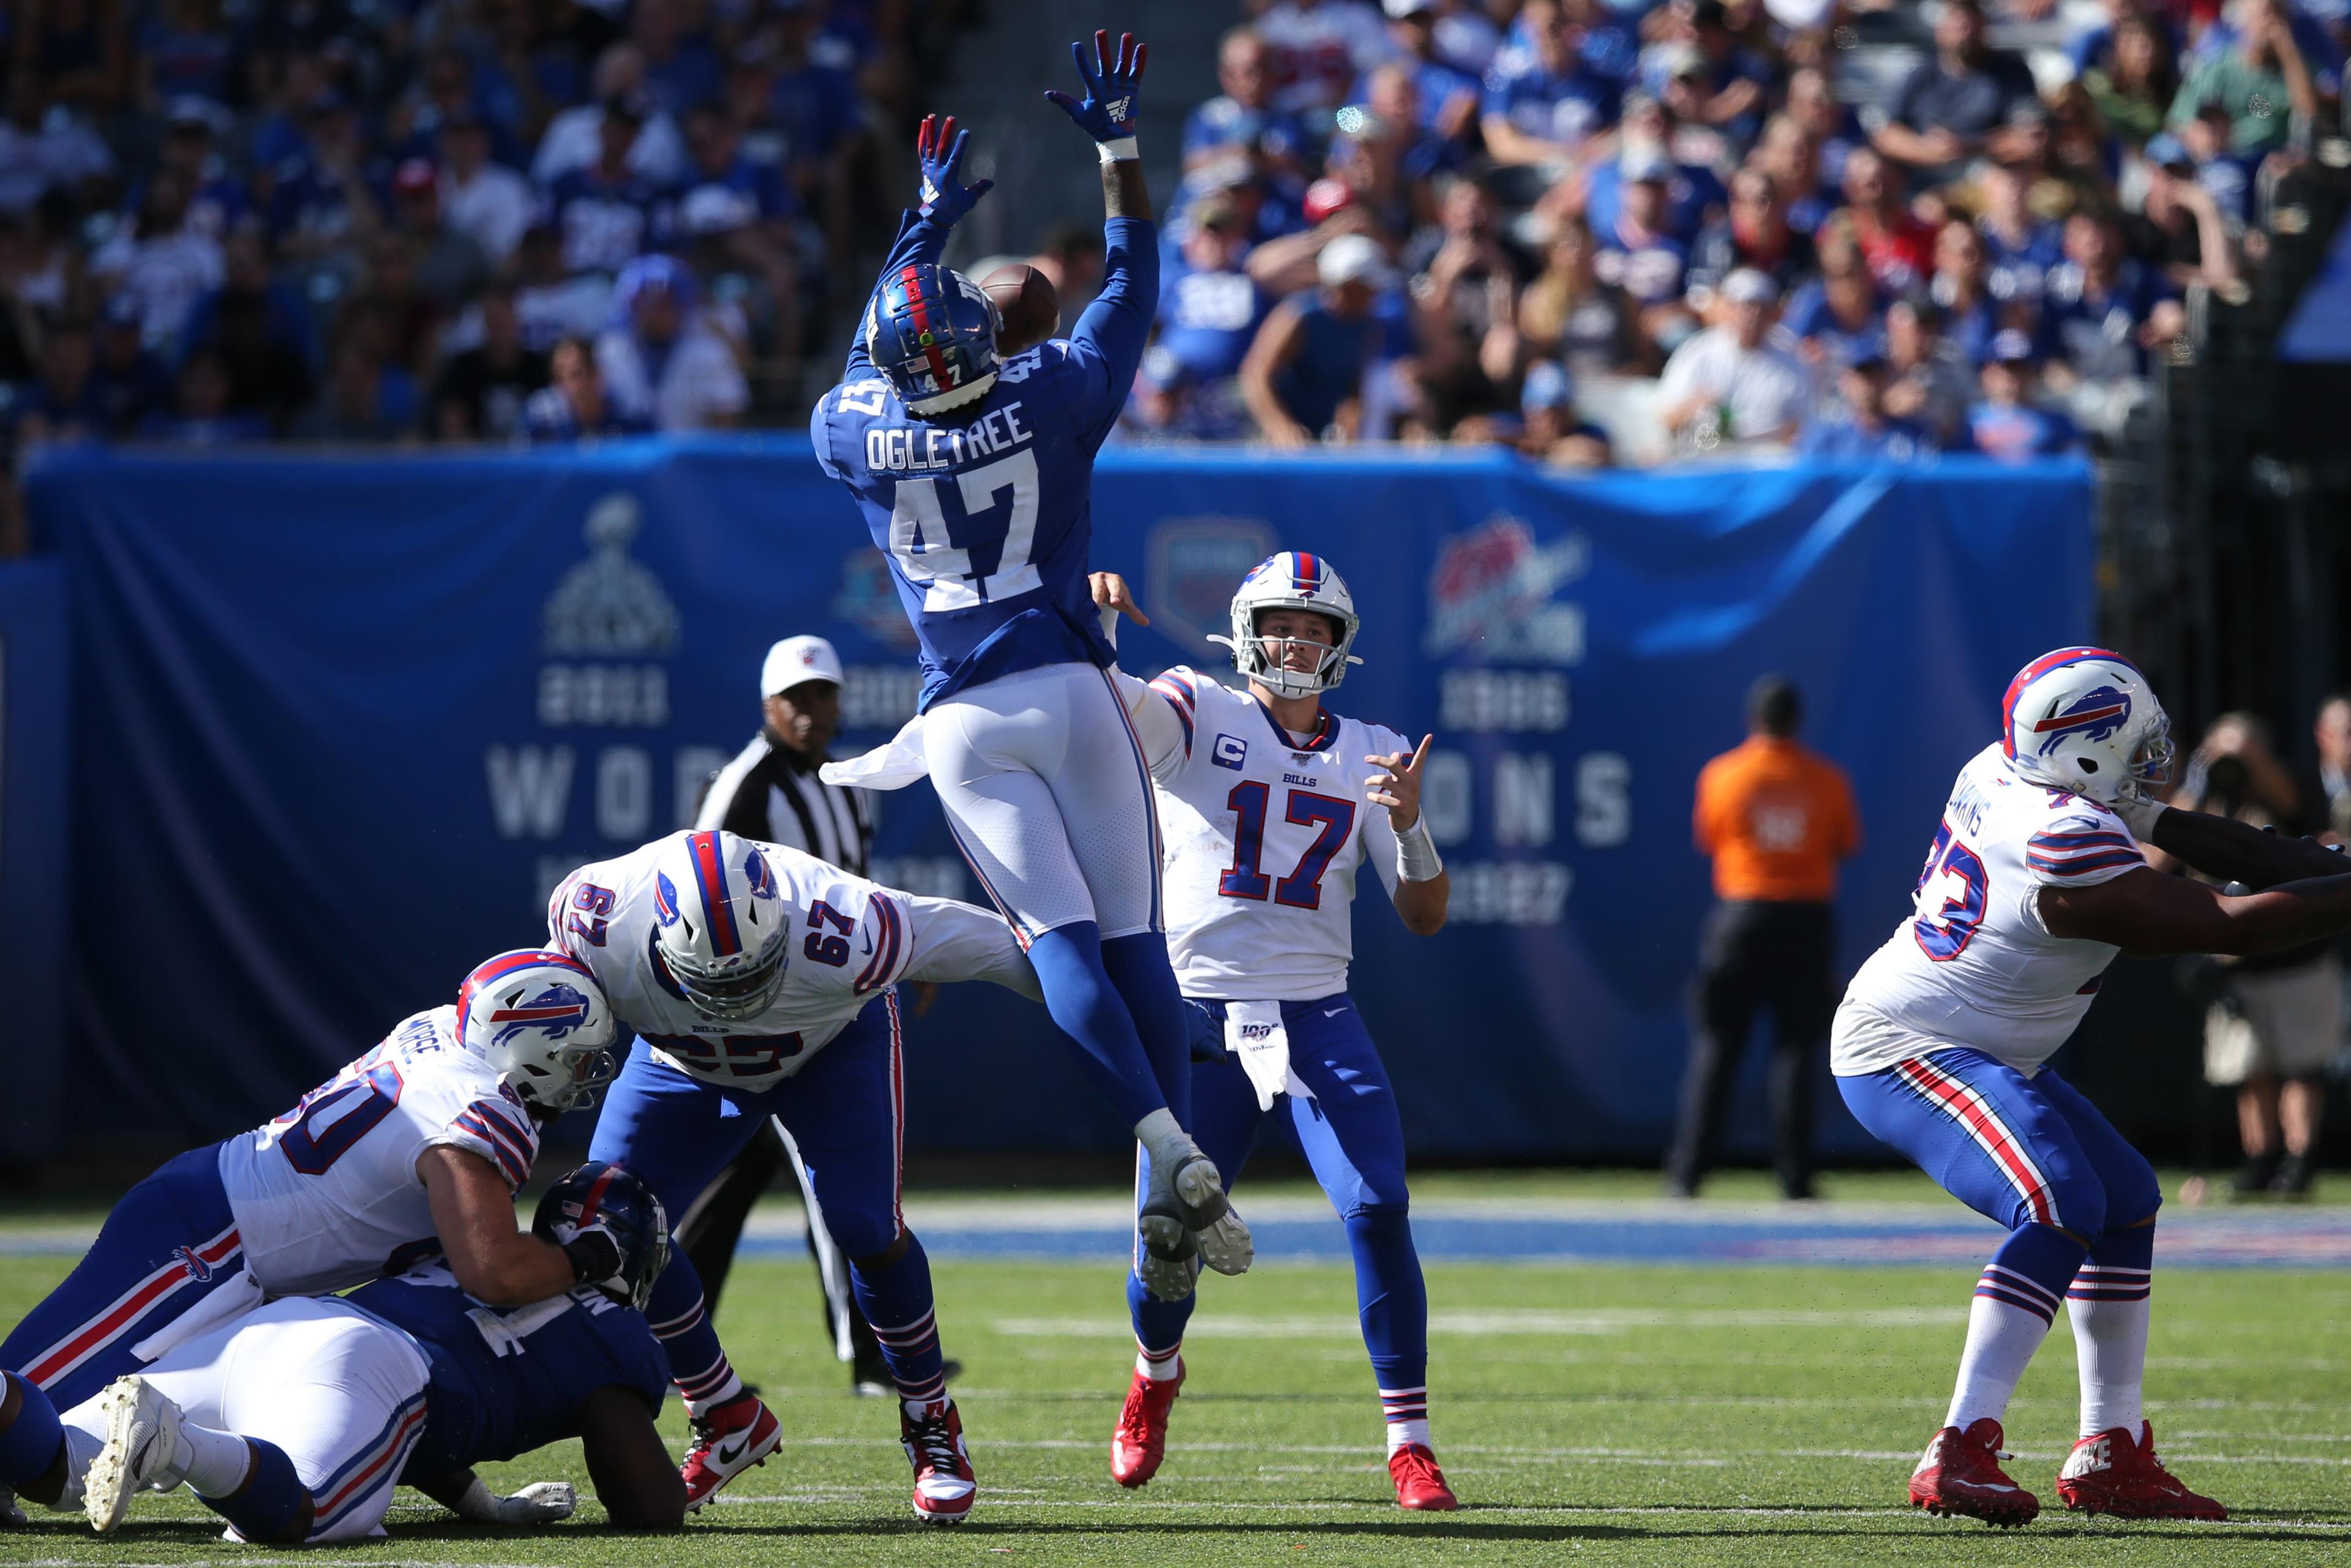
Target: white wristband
(1122, 151)
(1417, 858)
(2139, 817)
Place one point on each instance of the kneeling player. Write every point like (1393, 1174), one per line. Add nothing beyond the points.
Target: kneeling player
(2032, 884)
(1273, 804)
(294, 1423)
(417, 1148)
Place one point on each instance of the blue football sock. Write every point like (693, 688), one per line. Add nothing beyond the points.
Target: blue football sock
(2120, 1268)
(698, 1362)
(272, 1501)
(1138, 967)
(1390, 1299)
(29, 1443)
(1091, 1013)
(895, 1298)
(2031, 1269)
(1158, 1325)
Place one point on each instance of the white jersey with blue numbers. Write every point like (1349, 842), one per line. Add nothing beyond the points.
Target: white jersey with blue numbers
(985, 512)
(1974, 965)
(327, 1196)
(850, 941)
(1265, 833)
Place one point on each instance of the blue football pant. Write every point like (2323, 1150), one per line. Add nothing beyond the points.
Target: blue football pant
(1351, 1135)
(846, 1111)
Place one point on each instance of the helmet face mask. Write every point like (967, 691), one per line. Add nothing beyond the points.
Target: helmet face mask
(718, 925)
(1295, 580)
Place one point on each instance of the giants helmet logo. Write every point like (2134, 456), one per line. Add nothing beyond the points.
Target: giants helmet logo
(2096, 715)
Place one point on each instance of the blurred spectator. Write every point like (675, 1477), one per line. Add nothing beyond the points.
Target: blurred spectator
(482, 389)
(200, 415)
(1540, 108)
(1242, 119)
(2134, 87)
(1729, 385)
(128, 379)
(2180, 228)
(2275, 1020)
(1569, 314)
(573, 405)
(78, 48)
(1928, 385)
(364, 400)
(1465, 35)
(401, 322)
(187, 53)
(1466, 298)
(736, 218)
(1639, 255)
(1554, 434)
(1830, 123)
(2260, 80)
(260, 330)
(1840, 314)
(1448, 95)
(1704, 71)
(1648, 133)
(1210, 306)
(1857, 426)
(1319, 50)
(1071, 260)
(814, 102)
(1775, 818)
(2006, 425)
(42, 150)
(218, 200)
(1955, 104)
(681, 66)
(64, 404)
(451, 265)
(2021, 245)
(487, 200)
(2329, 792)
(159, 265)
(1754, 234)
(661, 362)
(552, 303)
(574, 139)
(2204, 141)
(1961, 290)
(1790, 155)
(1898, 247)
(607, 212)
(2102, 309)
(1318, 354)
(320, 201)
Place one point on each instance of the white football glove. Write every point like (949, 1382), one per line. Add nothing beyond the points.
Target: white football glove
(541, 1502)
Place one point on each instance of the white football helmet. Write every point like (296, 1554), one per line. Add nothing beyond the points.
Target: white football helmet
(719, 924)
(2085, 720)
(541, 1022)
(1292, 580)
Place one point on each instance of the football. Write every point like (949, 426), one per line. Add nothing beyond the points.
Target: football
(1029, 303)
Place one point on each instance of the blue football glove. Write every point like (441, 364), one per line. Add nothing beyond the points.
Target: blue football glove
(940, 147)
(1108, 113)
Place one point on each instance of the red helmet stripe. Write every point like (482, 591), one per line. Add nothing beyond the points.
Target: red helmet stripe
(710, 876)
(912, 279)
(2033, 672)
(496, 969)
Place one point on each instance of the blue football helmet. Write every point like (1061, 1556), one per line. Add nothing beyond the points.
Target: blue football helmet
(931, 331)
(614, 1199)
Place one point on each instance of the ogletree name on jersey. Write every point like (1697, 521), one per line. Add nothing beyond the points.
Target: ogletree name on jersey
(926, 449)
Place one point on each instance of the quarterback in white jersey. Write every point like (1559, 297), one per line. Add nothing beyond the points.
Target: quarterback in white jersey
(760, 982)
(1273, 804)
(2033, 882)
(417, 1148)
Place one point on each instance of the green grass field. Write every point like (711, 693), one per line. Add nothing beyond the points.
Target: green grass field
(1679, 1415)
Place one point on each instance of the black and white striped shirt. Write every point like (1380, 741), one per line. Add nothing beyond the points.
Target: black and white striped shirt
(764, 794)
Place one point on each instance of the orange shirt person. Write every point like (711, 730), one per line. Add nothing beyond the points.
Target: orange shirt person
(1777, 818)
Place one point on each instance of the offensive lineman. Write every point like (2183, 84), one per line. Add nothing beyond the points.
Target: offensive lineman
(975, 480)
(2032, 884)
(759, 982)
(1263, 793)
(294, 1422)
(417, 1148)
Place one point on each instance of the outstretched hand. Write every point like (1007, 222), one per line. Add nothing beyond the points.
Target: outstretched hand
(1108, 110)
(1397, 784)
(1111, 592)
(940, 148)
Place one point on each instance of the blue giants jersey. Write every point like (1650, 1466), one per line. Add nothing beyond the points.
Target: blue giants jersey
(985, 512)
(504, 1382)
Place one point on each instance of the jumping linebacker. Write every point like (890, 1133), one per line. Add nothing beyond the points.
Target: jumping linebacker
(2033, 883)
(975, 478)
(1273, 804)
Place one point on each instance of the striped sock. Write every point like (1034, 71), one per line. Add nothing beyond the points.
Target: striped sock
(699, 1368)
(2108, 1302)
(916, 1367)
(1159, 1366)
(1407, 1416)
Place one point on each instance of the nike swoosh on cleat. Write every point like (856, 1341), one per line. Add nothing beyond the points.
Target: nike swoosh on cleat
(726, 1455)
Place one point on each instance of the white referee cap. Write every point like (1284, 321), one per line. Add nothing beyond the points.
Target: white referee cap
(795, 660)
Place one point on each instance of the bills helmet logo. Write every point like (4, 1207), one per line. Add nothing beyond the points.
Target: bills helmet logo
(555, 1012)
(665, 899)
(757, 872)
(198, 1269)
(2096, 715)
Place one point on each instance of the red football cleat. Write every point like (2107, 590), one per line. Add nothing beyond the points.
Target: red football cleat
(1961, 1474)
(2110, 1473)
(727, 1441)
(1141, 1440)
(945, 1487)
(1419, 1484)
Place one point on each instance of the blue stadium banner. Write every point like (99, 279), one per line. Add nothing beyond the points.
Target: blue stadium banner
(34, 868)
(343, 722)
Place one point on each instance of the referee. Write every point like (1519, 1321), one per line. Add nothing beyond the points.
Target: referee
(770, 792)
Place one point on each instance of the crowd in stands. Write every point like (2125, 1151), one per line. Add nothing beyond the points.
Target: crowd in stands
(1605, 232)
(229, 220)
